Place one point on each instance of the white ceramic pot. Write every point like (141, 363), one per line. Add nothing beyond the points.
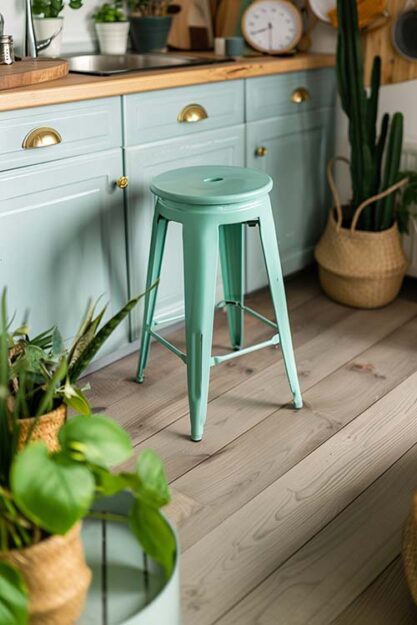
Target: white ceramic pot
(46, 27)
(112, 37)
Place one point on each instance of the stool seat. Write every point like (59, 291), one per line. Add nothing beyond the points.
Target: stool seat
(211, 185)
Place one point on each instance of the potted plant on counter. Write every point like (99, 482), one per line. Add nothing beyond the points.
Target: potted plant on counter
(44, 373)
(49, 22)
(150, 24)
(112, 28)
(360, 256)
(45, 495)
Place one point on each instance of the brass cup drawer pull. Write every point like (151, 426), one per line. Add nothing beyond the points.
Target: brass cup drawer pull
(122, 182)
(261, 151)
(192, 113)
(300, 95)
(41, 138)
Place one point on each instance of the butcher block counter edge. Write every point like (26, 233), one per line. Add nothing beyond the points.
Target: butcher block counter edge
(76, 87)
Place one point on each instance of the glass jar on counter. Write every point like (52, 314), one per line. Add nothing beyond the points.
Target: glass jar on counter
(6, 50)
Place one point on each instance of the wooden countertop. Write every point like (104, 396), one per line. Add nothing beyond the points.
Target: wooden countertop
(75, 87)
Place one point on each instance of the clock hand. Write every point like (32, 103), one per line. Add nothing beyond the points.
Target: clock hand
(256, 32)
(270, 35)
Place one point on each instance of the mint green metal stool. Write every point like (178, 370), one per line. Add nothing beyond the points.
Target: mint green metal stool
(213, 204)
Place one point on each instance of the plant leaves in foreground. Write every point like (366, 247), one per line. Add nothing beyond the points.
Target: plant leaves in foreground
(51, 490)
(13, 596)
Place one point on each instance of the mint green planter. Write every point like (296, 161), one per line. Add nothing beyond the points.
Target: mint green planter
(213, 203)
(128, 588)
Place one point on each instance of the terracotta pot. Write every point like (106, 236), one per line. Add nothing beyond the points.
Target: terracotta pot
(46, 428)
(57, 578)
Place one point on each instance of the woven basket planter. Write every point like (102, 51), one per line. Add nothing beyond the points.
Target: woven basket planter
(409, 549)
(360, 268)
(57, 578)
(45, 429)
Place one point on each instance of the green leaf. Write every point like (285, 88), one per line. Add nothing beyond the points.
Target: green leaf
(75, 399)
(101, 337)
(154, 489)
(154, 534)
(46, 402)
(58, 346)
(99, 439)
(13, 596)
(108, 484)
(51, 490)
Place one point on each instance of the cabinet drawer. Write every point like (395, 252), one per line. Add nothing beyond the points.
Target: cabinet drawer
(81, 127)
(157, 114)
(271, 96)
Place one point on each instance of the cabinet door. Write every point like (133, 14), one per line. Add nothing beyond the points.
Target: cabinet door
(219, 147)
(297, 149)
(62, 241)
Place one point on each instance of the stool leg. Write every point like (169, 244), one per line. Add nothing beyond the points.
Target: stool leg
(273, 266)
(200, 269)
(233, 271)
(159, 230)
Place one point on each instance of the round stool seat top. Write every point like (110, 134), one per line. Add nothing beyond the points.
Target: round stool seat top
(219, 184)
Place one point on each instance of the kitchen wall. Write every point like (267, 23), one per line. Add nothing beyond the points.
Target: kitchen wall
(78, 29)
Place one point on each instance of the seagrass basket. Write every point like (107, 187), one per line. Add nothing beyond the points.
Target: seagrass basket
(360, 268)
(44, 428)
(57, 578)
(409, 549)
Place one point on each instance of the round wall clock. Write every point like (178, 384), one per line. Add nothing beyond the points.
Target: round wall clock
(272, 26)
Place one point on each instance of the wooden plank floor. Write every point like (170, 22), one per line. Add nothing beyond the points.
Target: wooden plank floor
(289, 517)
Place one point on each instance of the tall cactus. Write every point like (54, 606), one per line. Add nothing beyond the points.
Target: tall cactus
(353, 97)
(367, 152)
(392, 167)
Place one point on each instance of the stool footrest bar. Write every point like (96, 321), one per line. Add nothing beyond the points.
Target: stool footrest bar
(164, 320)
(216, 360)
(248, 310)
(169, 346)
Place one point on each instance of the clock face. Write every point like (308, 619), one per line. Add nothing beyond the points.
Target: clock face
(272, 26)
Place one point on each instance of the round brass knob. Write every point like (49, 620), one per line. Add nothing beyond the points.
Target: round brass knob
(300, 95)
(122, 182)
(261, 151)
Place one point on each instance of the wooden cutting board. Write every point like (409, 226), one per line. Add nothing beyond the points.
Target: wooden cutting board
(394, 67)
(31, 71)
(192, 26)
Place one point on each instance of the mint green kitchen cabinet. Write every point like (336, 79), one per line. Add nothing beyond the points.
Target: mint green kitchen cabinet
(293, 148)
(67, 232)
(294, 151)
(217, 147)
(62, 240)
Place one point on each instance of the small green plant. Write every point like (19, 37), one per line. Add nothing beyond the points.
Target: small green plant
(44, 373)
(374, 160)
(149, 8)
(52, 8)
(45, 493)
(110, 12)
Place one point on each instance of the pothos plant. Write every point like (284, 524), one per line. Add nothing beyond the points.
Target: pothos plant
(45, 493)
(110, 12)
(52, 8)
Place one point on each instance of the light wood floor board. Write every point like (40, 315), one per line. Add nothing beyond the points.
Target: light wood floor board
(265, 532)
(238, 472)
(323, 577)
(288, 517)
(247, 404)
(386, 600)
(162, 399)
